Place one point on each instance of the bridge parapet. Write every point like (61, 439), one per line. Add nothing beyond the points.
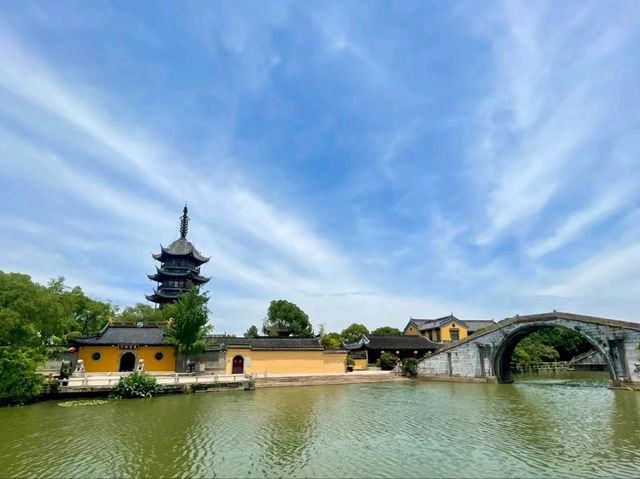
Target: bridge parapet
(487, 354)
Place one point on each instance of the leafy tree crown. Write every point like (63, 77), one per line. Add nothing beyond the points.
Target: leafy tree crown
(286, 319)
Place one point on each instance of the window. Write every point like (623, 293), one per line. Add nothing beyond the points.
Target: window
(455, 334)
(96, 356)
(158, 356)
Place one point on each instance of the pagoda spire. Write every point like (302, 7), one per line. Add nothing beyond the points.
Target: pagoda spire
(184, 222)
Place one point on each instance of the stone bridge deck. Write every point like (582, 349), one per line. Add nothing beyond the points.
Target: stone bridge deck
(487, 354)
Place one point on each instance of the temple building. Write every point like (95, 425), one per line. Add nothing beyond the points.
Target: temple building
(179, 267)
(367, 350)
(121, 347)
(445, 329)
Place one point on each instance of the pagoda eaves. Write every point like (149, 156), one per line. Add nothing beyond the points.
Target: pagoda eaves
(179, 267)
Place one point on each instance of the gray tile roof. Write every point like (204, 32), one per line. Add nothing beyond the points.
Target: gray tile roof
(124, 334)
(273, 343)
(393, 343)
(418, 323)
(476, 324)
(182, 247)
(436, 323)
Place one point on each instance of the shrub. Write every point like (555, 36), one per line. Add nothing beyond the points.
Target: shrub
(410, 367)
(136, 385)
(350, 361)
(387, 361)
(19, 383)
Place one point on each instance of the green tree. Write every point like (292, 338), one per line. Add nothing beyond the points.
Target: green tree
(353, 332)
(387, 361)
(550, 344)
(252, 332)
(410, 367)
(386, 331)
(83, 315)
(531, 351)
(331, 341)
(286, 319)
(188, 326)
(142, 313)
(30, 314)
(19, 382)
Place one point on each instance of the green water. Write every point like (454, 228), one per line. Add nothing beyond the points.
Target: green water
(556, 426)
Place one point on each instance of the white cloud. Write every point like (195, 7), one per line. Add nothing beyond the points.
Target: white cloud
(611, 274)
(601, 208)
(553, 97)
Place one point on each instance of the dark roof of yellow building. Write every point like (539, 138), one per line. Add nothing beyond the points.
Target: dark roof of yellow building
(272, 343)
(393, 343)
(439, 322)
(116, 334)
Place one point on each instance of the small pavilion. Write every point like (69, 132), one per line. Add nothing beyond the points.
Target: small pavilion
(370, 348)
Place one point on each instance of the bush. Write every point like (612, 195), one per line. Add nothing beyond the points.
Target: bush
(19, 383)
(350, 361)
(410, 367)
(387, 361)
(136, 385)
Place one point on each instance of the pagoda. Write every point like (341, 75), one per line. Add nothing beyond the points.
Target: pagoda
(179, 267)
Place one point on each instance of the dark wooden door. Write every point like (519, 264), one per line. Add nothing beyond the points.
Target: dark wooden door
(238, 365)
(127, 362)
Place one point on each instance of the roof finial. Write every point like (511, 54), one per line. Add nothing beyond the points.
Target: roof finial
(184, 222)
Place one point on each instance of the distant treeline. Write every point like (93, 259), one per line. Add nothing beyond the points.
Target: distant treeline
(550, 344)
(34, 315)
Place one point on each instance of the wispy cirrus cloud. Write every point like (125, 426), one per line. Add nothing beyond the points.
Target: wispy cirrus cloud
(557, 86)
(368, 164)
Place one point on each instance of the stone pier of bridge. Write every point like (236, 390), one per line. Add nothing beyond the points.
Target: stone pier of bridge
(486, 355)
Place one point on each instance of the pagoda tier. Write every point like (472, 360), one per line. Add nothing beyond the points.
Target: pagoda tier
(179, 267)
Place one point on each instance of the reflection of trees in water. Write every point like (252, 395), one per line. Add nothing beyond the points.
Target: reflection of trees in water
(156, 437)
(625, 426)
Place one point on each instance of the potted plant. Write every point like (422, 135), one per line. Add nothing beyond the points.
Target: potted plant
(350, 363)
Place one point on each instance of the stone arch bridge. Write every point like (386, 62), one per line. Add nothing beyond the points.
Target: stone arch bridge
(487, 354)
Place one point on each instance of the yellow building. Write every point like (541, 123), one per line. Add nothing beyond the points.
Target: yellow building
(120, 347)
(281, 356)
(413, 327)
(445, 329)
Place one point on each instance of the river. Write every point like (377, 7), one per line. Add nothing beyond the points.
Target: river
(540, 426)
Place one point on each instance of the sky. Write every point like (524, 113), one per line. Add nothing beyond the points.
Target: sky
(368, 161)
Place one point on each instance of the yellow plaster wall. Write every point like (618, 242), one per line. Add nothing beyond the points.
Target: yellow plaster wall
(360, 364)
(110, 358)
(445, 331)
(411, 331)
(287, 362)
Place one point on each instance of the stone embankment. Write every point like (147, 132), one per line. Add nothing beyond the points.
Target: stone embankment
(101, 385)
(317, 380)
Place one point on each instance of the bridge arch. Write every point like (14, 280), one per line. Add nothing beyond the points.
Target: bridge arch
(487, 354)
(503, 351)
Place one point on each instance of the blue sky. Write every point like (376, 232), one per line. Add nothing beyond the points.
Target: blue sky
(369, 161)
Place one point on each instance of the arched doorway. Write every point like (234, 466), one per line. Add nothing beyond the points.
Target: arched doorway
(127, 362)
(237, 365)
(504, 351)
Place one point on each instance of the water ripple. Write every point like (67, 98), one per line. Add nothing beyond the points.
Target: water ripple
(532, 429)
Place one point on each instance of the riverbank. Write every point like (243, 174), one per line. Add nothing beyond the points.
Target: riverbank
(97, 385)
